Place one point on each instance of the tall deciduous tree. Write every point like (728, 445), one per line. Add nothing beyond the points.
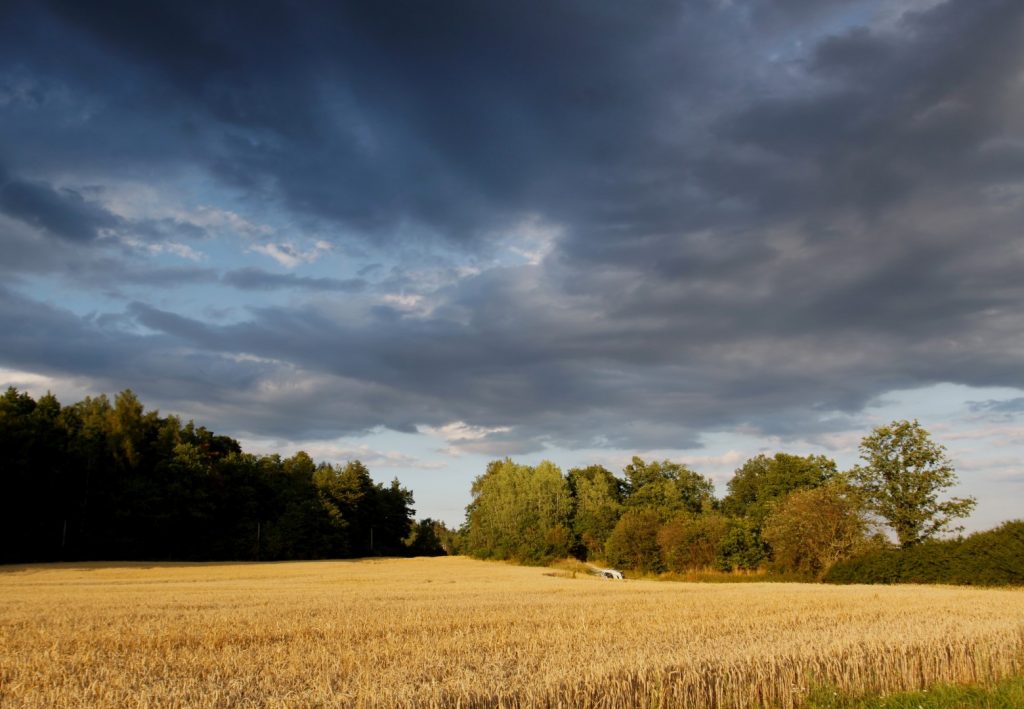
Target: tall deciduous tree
(904, 475)
(741, 547)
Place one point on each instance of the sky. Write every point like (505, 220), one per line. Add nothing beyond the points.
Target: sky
(428, 235)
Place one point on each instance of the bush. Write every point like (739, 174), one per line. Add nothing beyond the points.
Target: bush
(992, 558)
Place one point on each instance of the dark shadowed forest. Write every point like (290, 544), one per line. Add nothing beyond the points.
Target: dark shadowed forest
(109, 480)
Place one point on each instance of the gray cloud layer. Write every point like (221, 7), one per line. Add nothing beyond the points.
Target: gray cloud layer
(768, 213)
(63, 214)
(256, 279)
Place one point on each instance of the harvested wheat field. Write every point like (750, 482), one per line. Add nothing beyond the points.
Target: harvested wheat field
(456, 632)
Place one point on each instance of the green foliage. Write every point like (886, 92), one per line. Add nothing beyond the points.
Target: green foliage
(812, 529)
(689, 541)
(666, 487)
(597, 506)
(905, 473)
(991, 558)
(796, 515)
(426, 538)
(452, 540)
(519, 512)
(1005, 694)
(633, 543)
(741, 548)
(763, 480)
(113, 481)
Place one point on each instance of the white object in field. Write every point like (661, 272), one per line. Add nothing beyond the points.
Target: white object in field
(607, 573)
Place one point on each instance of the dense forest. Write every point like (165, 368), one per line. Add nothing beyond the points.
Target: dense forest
(794, 515)
(102, 480)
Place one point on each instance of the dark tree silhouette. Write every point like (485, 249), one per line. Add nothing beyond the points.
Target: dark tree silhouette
(102, 480)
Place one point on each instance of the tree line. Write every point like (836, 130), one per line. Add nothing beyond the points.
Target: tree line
(109, 480)
(787, 513)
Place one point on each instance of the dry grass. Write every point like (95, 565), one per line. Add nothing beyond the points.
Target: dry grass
(456, 632)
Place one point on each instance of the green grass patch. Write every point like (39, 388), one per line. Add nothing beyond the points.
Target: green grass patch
(1007, 694)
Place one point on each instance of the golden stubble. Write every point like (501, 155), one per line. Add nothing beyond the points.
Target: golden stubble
(458, 632)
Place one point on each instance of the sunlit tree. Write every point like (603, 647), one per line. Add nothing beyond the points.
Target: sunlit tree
(905, 473)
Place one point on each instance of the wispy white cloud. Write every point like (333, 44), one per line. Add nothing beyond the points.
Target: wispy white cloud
(462, 437)
(166, 247)
(340, 452)
(289, 255)
(138, 202)
(214, 219)
(728, 460)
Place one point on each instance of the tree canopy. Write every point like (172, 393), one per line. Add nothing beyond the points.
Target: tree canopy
(763, 480)
(666, 487)
(519, 512)
(904, 474)
(109, 479)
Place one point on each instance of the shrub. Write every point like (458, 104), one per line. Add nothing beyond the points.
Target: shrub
(991, 558)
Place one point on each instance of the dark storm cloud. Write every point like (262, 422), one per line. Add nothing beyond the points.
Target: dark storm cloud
(51, 230)
(897, 109)
(768, 213)
(64, 214)
(373, 115)
(569, 383)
